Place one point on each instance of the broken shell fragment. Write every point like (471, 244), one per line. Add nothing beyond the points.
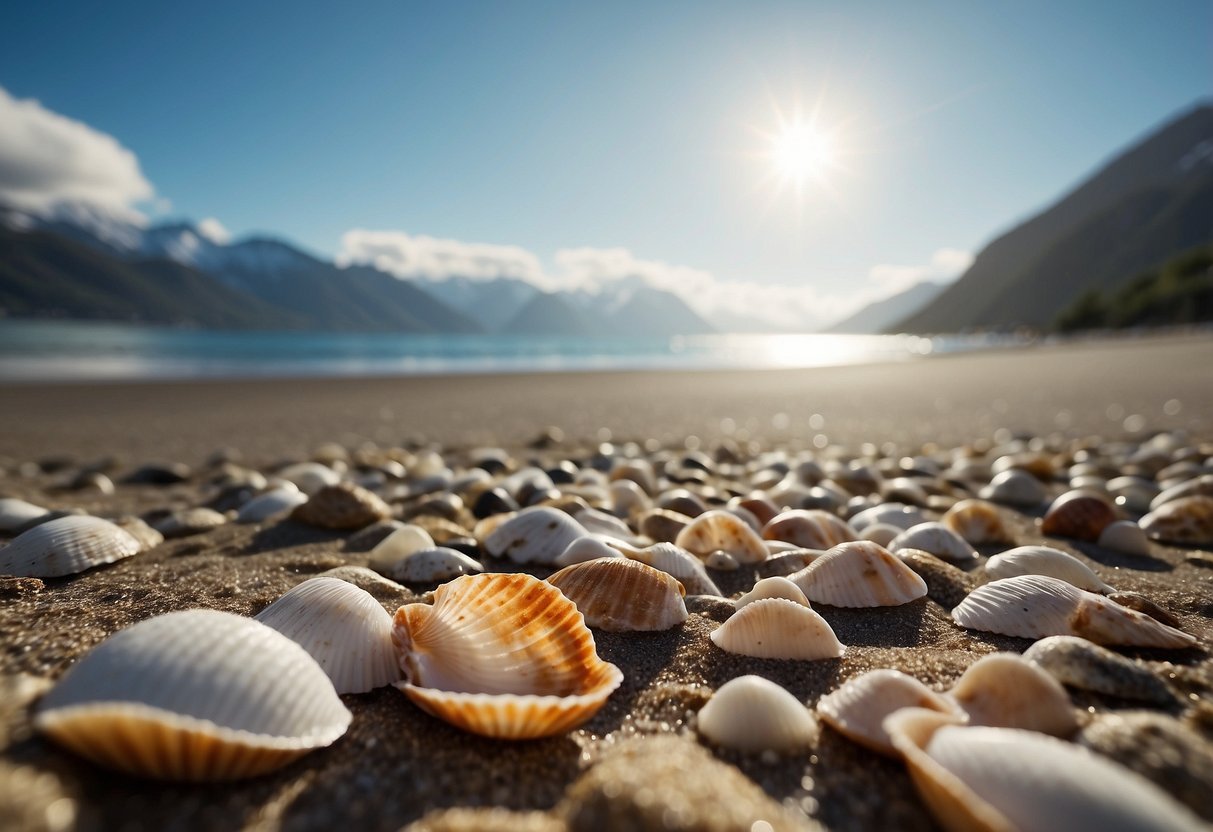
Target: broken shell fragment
(1045, 560)
(977, 521)
(1004, 691)
(534, 535)
(1079, 663)
(859, 574)
(66, 546)
(937, 539)
(773, 587)
(808, 529)
(750, 713)
(622, 595)
(857, 710)
(776, 628)
(720, 531)
(1079, 514)
(1187, 520)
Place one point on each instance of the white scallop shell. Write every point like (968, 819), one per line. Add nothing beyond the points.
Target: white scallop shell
(309, 477)
(857, 710)
(750, 713)
(936, 539)
(1125, 536)
(773, 587)
(16, 513)
(398, 545)
(534, 535)
(894, 514)
(1002, 690)
(342, 627)
(584, 549)
(1035, 606)
(859, 574)
(776, 628)
(430, 565)
(721, 531)
(675, 561)
(65, 546)
(194, 695)
(270, 504)
(1045, 560)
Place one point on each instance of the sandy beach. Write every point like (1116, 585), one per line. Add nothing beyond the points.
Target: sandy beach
(637, 763)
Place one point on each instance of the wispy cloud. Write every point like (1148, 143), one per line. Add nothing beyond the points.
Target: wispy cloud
(213, 230)
(945, 264)
(410, 256)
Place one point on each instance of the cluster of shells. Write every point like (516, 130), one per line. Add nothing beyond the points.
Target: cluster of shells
(528, 553)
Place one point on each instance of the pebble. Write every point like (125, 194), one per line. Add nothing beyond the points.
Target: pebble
(188, 522)
(341, 507)
(946, 585)
(1078, 663)
(170, 474)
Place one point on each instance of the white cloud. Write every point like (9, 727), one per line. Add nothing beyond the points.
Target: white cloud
(406, 255)
(213, 230)
(945, 264)
(48, 160)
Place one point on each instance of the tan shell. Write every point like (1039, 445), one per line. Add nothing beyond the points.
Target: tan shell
(774, 587)
(720, 531)
(502, 655)
(936, 539)
(808, 529)
(1045, 560)
(674, 561)
(776, 628)
(1125, 536)
(1081, 664)
(1014, 487)
(859, 574)
(1187, 520)
(398, 545)
(1082, 515)
(1035, 606)
(343, 506)
(857, 710)
(66, 546)
(881, 533)
(1005, 691)
(750, 713)
(977, 521)
(534, 535)
(621, 595)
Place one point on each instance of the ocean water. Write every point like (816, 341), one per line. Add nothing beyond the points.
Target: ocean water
(63, 351)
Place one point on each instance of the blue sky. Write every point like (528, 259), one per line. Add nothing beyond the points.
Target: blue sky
(548, 127)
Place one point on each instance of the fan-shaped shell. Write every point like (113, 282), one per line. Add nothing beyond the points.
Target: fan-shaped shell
(66, 546)
(1081, 664)
(620, 595)
(776, 628)
(1045, 560)
(750, 713)
(194, 695)
(808, 529)
(675, 561)
(1035, 606)
(502, 655)
(16, 513)
(977, 521)
(534, 535)
(1187, 520)
(1004, 691)
(774, 587)
(859, 574)
(857, 710)
(936, 539)
(588, 548)
(1004, 779)
(270, 504)
(1079, 514)
(1014, 487)
(342, 627)
(894, 514)
(720, 531)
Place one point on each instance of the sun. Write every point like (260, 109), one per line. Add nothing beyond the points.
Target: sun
(802, 153)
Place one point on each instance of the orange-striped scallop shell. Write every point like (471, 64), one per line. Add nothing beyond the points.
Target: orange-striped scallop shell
(621, 595)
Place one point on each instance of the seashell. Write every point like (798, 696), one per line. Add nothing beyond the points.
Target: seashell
(309, 477)
(194, 695)
(813, 529)
(66, 546)
(1141, 603)
(857, 710)
(662, 525)
(1078, 663)
(1201, 486)
(344, 506)
(16, 513)
(859, 574)
(534, 535)
(440, 529)
(1044, 560)
(717, 530)
(1187, 520)
(750, 713)
(368, 538)
(977, 521)
(622, 595)
(1035, 606)
(270, 504)
(586, 549)
(1081, 515)
(148, 537)
(880, 533)
(189, 521)
(502, 655)
(675, 561)
(398, 545)
(1004, 691)
(431, 565)
(780, 547)
(946, 585)
(937, 539)
(342, 627)
(1125, 536)
(384, 589)
(639, 471)
(628, 498)
(787, 563)
(722, 562)
(1133, 493)
(1006, 779)
(763, 508)
(894, 514)
(773, 587)
(775, 628)
(599, 522)
(1014, 487)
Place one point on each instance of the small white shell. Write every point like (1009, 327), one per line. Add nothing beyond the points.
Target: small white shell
(893, 514)
(773, 587)
(1004, 691)
(1035, 606)
(399, 545)
(342, 627)
(776, 628)
(430, 565)
(1014, 487)
(675, 561)
(16, 513)
(599, 522)
(534, 535)
(1045, 560)
(938, 540)
(750, 713)
(309, 477)
(270, 504)
(194, 695)
(66, 546)
(589, 548)
(1125, 536)
(881, 533)
(859, 574)
(857, 710)
(715, 531)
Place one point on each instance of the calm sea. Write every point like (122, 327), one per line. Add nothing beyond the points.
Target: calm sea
(34, 351)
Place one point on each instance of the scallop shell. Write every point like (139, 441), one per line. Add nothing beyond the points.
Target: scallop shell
(16, 513)
(534, 535)
(342, 627)
(776, 628)
(398, 545)
(502, 655)
(894, 514)
(622, 595)
(720, 531)
(66, 546)
(1125, 536)
(270, 504)
(857, 710)
(773, 587)
(588, 548)
(750, 713)
(430, 565)
(675, 561)
(1016, 488)
(936, 539)
(1187, 520)
(977, 521)
(1081, 664)
(808, 529)
(1035, 606)
(859, 574)
(194, 695)
(1004, 779)
(1044, 560)
(1004, 691)
(1082, 515)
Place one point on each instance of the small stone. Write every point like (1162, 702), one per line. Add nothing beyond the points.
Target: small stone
(493, 501)
(188, 522)
(169, 474)
(946, 585)
(342, 506)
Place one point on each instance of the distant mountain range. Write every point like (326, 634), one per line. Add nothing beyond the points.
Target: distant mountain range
(882, 314)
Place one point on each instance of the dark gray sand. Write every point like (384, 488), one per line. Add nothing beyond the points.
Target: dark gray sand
(637, 763)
